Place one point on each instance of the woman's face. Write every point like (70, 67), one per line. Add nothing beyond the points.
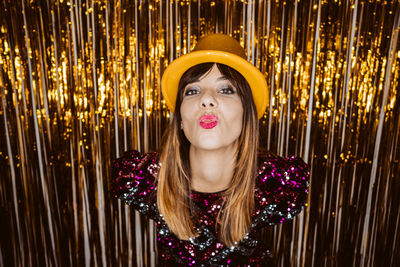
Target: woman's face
(211, 112)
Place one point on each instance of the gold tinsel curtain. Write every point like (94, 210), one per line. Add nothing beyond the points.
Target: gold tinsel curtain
(80, 84)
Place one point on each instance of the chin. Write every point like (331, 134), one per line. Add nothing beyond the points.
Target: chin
(207, 145)
(213, 145)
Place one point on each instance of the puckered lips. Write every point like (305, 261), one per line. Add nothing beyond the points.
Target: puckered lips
(208, 121)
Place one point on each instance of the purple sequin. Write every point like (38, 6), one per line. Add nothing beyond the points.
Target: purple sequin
(280, 193)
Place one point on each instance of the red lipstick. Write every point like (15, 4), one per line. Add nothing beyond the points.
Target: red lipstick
(208, 121)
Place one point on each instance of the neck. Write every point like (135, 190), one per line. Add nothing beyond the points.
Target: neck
(211, 171)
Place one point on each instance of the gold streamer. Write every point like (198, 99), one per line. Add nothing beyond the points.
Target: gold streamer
(80, 84)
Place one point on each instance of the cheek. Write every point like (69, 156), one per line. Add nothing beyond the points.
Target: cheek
(239, 122)
(186, 110)
(234, 121)
(236, 115)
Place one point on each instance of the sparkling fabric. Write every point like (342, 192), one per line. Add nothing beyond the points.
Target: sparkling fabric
(280, 193)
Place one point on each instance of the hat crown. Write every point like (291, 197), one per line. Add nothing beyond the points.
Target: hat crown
(220, 42)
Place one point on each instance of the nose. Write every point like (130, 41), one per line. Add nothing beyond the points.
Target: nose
(208, 101)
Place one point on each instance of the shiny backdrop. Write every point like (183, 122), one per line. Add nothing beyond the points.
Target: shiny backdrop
(80, 84)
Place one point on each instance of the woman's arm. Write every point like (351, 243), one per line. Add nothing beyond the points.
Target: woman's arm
(281, 188)
(134, 180)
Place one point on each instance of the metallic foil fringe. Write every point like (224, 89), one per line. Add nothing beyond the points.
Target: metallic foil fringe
(80, 83)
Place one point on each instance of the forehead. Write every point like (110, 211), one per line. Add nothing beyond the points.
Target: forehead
(213, 74)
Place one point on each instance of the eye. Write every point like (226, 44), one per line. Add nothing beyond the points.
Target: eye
(227, 90)
(191, 91)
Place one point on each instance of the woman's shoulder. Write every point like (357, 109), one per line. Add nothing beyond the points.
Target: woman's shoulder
(277, 175)
(134, 180)
(133, 160)
(281, 187)
(270, 162)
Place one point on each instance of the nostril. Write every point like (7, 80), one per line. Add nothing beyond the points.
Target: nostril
(211, 104)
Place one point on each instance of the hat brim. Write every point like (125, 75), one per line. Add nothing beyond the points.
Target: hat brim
(175, 70)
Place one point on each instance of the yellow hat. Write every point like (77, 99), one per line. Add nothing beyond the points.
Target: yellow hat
(218, 48)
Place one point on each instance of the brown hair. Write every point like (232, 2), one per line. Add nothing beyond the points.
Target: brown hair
(173, 193)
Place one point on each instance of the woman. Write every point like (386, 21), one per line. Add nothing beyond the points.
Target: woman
(209, 191)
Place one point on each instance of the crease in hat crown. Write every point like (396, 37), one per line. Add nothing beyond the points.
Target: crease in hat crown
(217, 48)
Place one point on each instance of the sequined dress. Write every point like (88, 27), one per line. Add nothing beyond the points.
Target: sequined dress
(280, 193)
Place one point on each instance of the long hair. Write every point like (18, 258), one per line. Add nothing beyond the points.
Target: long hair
(173, 193)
